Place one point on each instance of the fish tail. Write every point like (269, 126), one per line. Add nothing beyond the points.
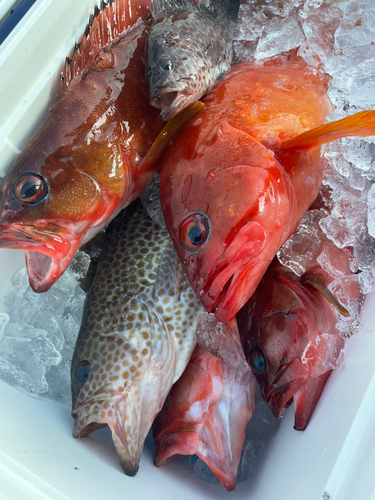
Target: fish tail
(360, 124)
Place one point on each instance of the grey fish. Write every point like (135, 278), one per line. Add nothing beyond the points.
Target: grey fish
(189, 49)
(136, 337)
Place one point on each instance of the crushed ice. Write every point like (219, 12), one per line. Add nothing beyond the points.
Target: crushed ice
(38, 331)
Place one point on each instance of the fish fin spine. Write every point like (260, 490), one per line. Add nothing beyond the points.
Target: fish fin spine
(109, 21)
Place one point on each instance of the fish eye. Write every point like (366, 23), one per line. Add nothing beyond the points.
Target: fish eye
(30, 187)
(194, 232)
(166, 64)
(257, 361)
(82, 372)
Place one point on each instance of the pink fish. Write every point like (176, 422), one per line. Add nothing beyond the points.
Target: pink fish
(238, 179)
(209, 407)
(289, 336)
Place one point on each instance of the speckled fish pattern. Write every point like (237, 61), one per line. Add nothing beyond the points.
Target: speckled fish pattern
(189, 48)
(136, 337)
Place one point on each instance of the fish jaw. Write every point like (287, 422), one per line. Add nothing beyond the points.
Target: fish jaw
(220, 292)
(49, 248)
(172, 101)
(129, 415)
(287, 382)
(306, 399)
(112, 410)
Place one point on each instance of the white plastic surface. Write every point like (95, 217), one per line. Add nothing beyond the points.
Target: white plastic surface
(333, 459)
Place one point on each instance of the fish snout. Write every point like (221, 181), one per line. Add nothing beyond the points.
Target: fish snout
(287, 381)
(227, 288)
(129, 469)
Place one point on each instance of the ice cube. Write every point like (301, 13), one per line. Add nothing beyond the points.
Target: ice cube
(336, 262)
(4, 320)
(358, 25)
(151, 201)
(302, 249)
(319, 28)
(282, 35)
(365, 251)
(371, 211)
(79, 265)
(27, 360)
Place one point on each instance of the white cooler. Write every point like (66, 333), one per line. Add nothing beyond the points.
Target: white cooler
(333, 459)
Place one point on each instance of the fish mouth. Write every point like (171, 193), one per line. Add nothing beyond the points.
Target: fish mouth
(170, 100)
(110, 410)
(287, 382)
(227, 288)
(48, 250)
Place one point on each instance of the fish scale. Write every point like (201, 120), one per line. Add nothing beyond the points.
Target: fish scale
(136, 337)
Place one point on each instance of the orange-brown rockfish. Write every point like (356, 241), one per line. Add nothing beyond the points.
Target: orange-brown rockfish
(82, 166)
(237, 181)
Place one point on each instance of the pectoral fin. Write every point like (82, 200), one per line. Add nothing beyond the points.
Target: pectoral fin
(360, 124)
(315, 283)
(168, 133)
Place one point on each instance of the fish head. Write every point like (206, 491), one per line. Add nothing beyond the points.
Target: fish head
(226, 213)
(177, 68)
(291, 344)
(121, 378)
(50, 198)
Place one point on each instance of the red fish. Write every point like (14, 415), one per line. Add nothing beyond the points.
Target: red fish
(237, 181)
(208, 409)
(290, 339)
(82, 166)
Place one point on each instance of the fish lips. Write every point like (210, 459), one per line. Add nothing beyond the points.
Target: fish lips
(226, 289)
(49, 249)
(110, 409)
(170, 99)
(285, 385)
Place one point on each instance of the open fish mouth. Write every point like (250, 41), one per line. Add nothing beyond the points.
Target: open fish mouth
(170, 100)
(48, 253)
(286, 383)
(99, 412)
(229, 285)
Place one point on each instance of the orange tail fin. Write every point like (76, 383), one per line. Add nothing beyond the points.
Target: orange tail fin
(360, 124)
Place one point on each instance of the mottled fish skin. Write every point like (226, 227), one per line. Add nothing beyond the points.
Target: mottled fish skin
(80, 168)
(136, 337)
(209, 407)
(290, 340)
(189, 48)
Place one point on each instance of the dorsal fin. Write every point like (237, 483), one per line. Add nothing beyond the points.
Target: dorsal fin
(360, 124)
(105, 24)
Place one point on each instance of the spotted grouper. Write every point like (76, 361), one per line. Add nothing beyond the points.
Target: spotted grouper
(136, 337)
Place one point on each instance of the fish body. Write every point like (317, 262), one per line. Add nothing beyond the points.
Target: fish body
(136, 337)
(238, 179)
(189, 49)
(81, 166)
(209, 407)
(289, 336)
